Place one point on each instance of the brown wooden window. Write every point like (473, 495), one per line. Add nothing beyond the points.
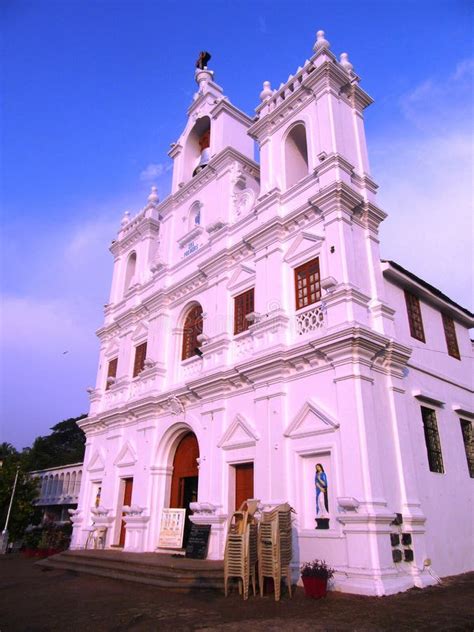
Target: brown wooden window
(450, 335)
(414, 316)
(307, 284)
(140, 355)
(433, 445)
(192, 329)
(111, 372)
(468, 438)
(243, 305)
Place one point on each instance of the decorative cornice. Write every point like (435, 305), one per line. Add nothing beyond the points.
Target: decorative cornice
(395, 275)
(139, 229)
(308, 83)
(213, 170)
(223, 105)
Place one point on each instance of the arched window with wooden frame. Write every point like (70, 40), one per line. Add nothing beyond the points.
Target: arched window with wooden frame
(193, 325)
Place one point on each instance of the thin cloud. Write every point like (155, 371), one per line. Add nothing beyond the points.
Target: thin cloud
(262, 25)
(153, 171)
(425, 184)
(439, 101)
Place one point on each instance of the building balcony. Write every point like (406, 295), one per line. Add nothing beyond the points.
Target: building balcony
(309, 320)
(58, 485)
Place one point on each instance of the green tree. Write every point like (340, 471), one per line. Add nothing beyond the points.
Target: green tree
(23, 509)
(66, 444)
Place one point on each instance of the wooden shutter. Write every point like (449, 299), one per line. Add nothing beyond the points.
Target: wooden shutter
(433, 445)
(414, 316)
(307, 284)
(111, 371)
(243, 305)
(468, 438)
(450, 335)
(140, 355)
(192, 328)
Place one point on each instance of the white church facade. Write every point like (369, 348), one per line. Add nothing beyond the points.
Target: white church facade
(255, 346)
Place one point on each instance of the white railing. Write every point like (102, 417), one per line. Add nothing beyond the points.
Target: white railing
(243, 345)
(310, 320)
(58, 485)
(191, 366)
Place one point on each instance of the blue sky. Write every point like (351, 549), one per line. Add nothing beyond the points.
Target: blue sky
(94, 92)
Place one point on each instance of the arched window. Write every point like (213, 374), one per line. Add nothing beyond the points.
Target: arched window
(50, 486)
(192, 329)
(130, 271)
(296, 155)
(44, 485)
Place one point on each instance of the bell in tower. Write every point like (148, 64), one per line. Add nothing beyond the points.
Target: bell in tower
(204, 144)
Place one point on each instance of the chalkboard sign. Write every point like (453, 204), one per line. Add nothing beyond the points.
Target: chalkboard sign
(198, 541)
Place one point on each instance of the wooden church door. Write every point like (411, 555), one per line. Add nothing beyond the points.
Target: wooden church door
(184, 484)
(127, 501)
(243, 483)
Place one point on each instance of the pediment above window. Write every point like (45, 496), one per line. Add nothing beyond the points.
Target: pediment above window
(126, 456)
(311, 420)
(240, 434)
(112, 349)
(242, 278)
(305, 246)
(141, 332)
(96, 463)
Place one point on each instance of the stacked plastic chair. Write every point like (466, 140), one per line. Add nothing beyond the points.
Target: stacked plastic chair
(240, 557)
(275, 548)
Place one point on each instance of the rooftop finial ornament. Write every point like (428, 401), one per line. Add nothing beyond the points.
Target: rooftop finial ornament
(153, 197)
(267, 91)
(203, 59)
(345, 63)
(321, 42)
(125, 219)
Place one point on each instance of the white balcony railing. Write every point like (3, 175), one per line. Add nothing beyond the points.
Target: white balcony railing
(58, 485)
(310, 320)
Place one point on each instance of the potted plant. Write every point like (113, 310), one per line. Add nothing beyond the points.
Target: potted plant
(315, 576)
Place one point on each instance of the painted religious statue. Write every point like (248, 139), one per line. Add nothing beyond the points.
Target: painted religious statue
(322, 505)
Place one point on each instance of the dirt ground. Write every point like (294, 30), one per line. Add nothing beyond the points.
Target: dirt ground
(36, 600)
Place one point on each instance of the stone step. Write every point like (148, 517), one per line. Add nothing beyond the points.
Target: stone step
(158, 570)
(180, 568)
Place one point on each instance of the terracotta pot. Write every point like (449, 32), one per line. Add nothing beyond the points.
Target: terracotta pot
(315, 587)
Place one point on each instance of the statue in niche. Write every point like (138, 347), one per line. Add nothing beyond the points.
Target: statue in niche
(322, 505)
(97, 497)
(202, 60)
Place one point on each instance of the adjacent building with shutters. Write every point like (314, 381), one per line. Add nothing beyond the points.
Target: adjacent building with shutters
(253, 333)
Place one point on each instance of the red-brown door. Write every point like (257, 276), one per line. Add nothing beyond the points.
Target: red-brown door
(184, 466)
(184, 484)
(127, 501)
(243, 483)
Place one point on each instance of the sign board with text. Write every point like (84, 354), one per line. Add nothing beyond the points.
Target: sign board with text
(172, 528)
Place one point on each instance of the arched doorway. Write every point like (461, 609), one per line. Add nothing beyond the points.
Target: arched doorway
(184, 484)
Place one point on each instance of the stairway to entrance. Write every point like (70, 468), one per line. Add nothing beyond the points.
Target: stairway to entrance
(157, 569)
